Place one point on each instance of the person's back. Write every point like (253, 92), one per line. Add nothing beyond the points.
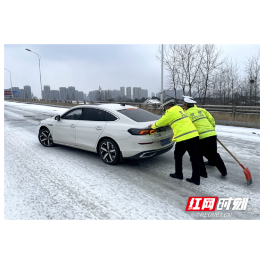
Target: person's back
(179, 121)
(203, 121)
(205, 125)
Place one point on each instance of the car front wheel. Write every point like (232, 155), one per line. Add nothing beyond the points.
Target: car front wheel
(108, 151)
(45, 138)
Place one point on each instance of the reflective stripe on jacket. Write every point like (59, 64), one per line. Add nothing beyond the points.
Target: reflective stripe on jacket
(203, 121)
(180, 123)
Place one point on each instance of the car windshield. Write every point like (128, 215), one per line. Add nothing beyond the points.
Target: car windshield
(139, 115)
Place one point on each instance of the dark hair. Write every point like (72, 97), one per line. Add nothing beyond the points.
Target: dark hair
(188, 105)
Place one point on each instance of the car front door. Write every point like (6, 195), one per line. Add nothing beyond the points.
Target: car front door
(89, 129)
(64, 129)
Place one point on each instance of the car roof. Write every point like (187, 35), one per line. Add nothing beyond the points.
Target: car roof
(106, 106)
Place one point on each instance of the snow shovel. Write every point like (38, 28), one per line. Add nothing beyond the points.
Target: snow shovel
(246, 170)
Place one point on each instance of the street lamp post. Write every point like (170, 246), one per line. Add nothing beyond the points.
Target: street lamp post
(10, 82)
(39, 69)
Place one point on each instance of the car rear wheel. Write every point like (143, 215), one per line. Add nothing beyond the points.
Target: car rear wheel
(108, 151)
(45, 138)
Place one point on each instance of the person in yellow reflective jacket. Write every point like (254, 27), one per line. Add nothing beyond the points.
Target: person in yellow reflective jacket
(206, 154)
(185, 136)
(205, 124)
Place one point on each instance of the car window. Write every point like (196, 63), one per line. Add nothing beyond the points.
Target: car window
(109, 117)
(74, 115)
(92, 114)
(139, 115)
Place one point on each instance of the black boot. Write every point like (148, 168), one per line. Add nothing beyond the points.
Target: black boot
(192, 181)
(173, 175)
(204, 175)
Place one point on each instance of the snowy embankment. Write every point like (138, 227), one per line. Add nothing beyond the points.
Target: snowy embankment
(245, 133)
(67, 183)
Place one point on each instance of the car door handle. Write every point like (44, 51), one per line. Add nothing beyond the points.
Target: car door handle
(98, 128)
(72, 125)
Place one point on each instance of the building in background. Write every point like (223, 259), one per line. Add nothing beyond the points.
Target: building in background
(152, 94)
(7, 93)
(71, 93)
(128, 93)
(80, 96)
(122, 92)
(137, 93)
(27, 90)
(107, 95)
(104, 95)
(46, 92)
(21, 94)
(63, 93)
(117, 95)
(54, 95)
(94, 96)
(144, 93)
(76, 95)
(15, 91)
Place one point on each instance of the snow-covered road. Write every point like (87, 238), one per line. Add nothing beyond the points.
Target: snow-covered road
(68, 183)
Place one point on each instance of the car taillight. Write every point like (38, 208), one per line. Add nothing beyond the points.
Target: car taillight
(137, 132)
(144, 132)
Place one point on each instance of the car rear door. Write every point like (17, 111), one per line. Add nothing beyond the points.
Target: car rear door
(89, 129)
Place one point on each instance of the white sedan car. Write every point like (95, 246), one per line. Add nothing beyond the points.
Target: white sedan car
(114, 131)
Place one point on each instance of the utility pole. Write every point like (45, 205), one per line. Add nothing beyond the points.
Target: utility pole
(39, 71)
(10, 82)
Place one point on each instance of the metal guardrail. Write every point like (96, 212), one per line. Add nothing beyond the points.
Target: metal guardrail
(232, 109)
(213, 108)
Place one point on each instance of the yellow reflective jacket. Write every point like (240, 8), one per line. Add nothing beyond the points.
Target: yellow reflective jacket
(180, 123)
(203, 121)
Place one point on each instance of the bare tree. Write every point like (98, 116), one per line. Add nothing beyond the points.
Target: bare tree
(169, 61)
(234, 77)
(211, 61)
(182, 63)
(188, 64)
(252, 70)
(202, 72)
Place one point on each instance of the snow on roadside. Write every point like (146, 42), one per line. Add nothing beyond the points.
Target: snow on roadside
(38, 108)
(245, 133)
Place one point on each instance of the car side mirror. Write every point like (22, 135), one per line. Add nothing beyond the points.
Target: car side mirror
(57, 117)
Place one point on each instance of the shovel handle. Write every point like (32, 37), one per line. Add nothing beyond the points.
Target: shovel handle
(229, 152)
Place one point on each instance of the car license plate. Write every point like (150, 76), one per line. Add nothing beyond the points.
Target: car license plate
(165, 141)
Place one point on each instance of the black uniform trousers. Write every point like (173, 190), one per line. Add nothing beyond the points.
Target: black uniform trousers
(209, 145)
(191, 146)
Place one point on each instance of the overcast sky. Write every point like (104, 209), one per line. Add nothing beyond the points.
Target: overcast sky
(88, 66)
